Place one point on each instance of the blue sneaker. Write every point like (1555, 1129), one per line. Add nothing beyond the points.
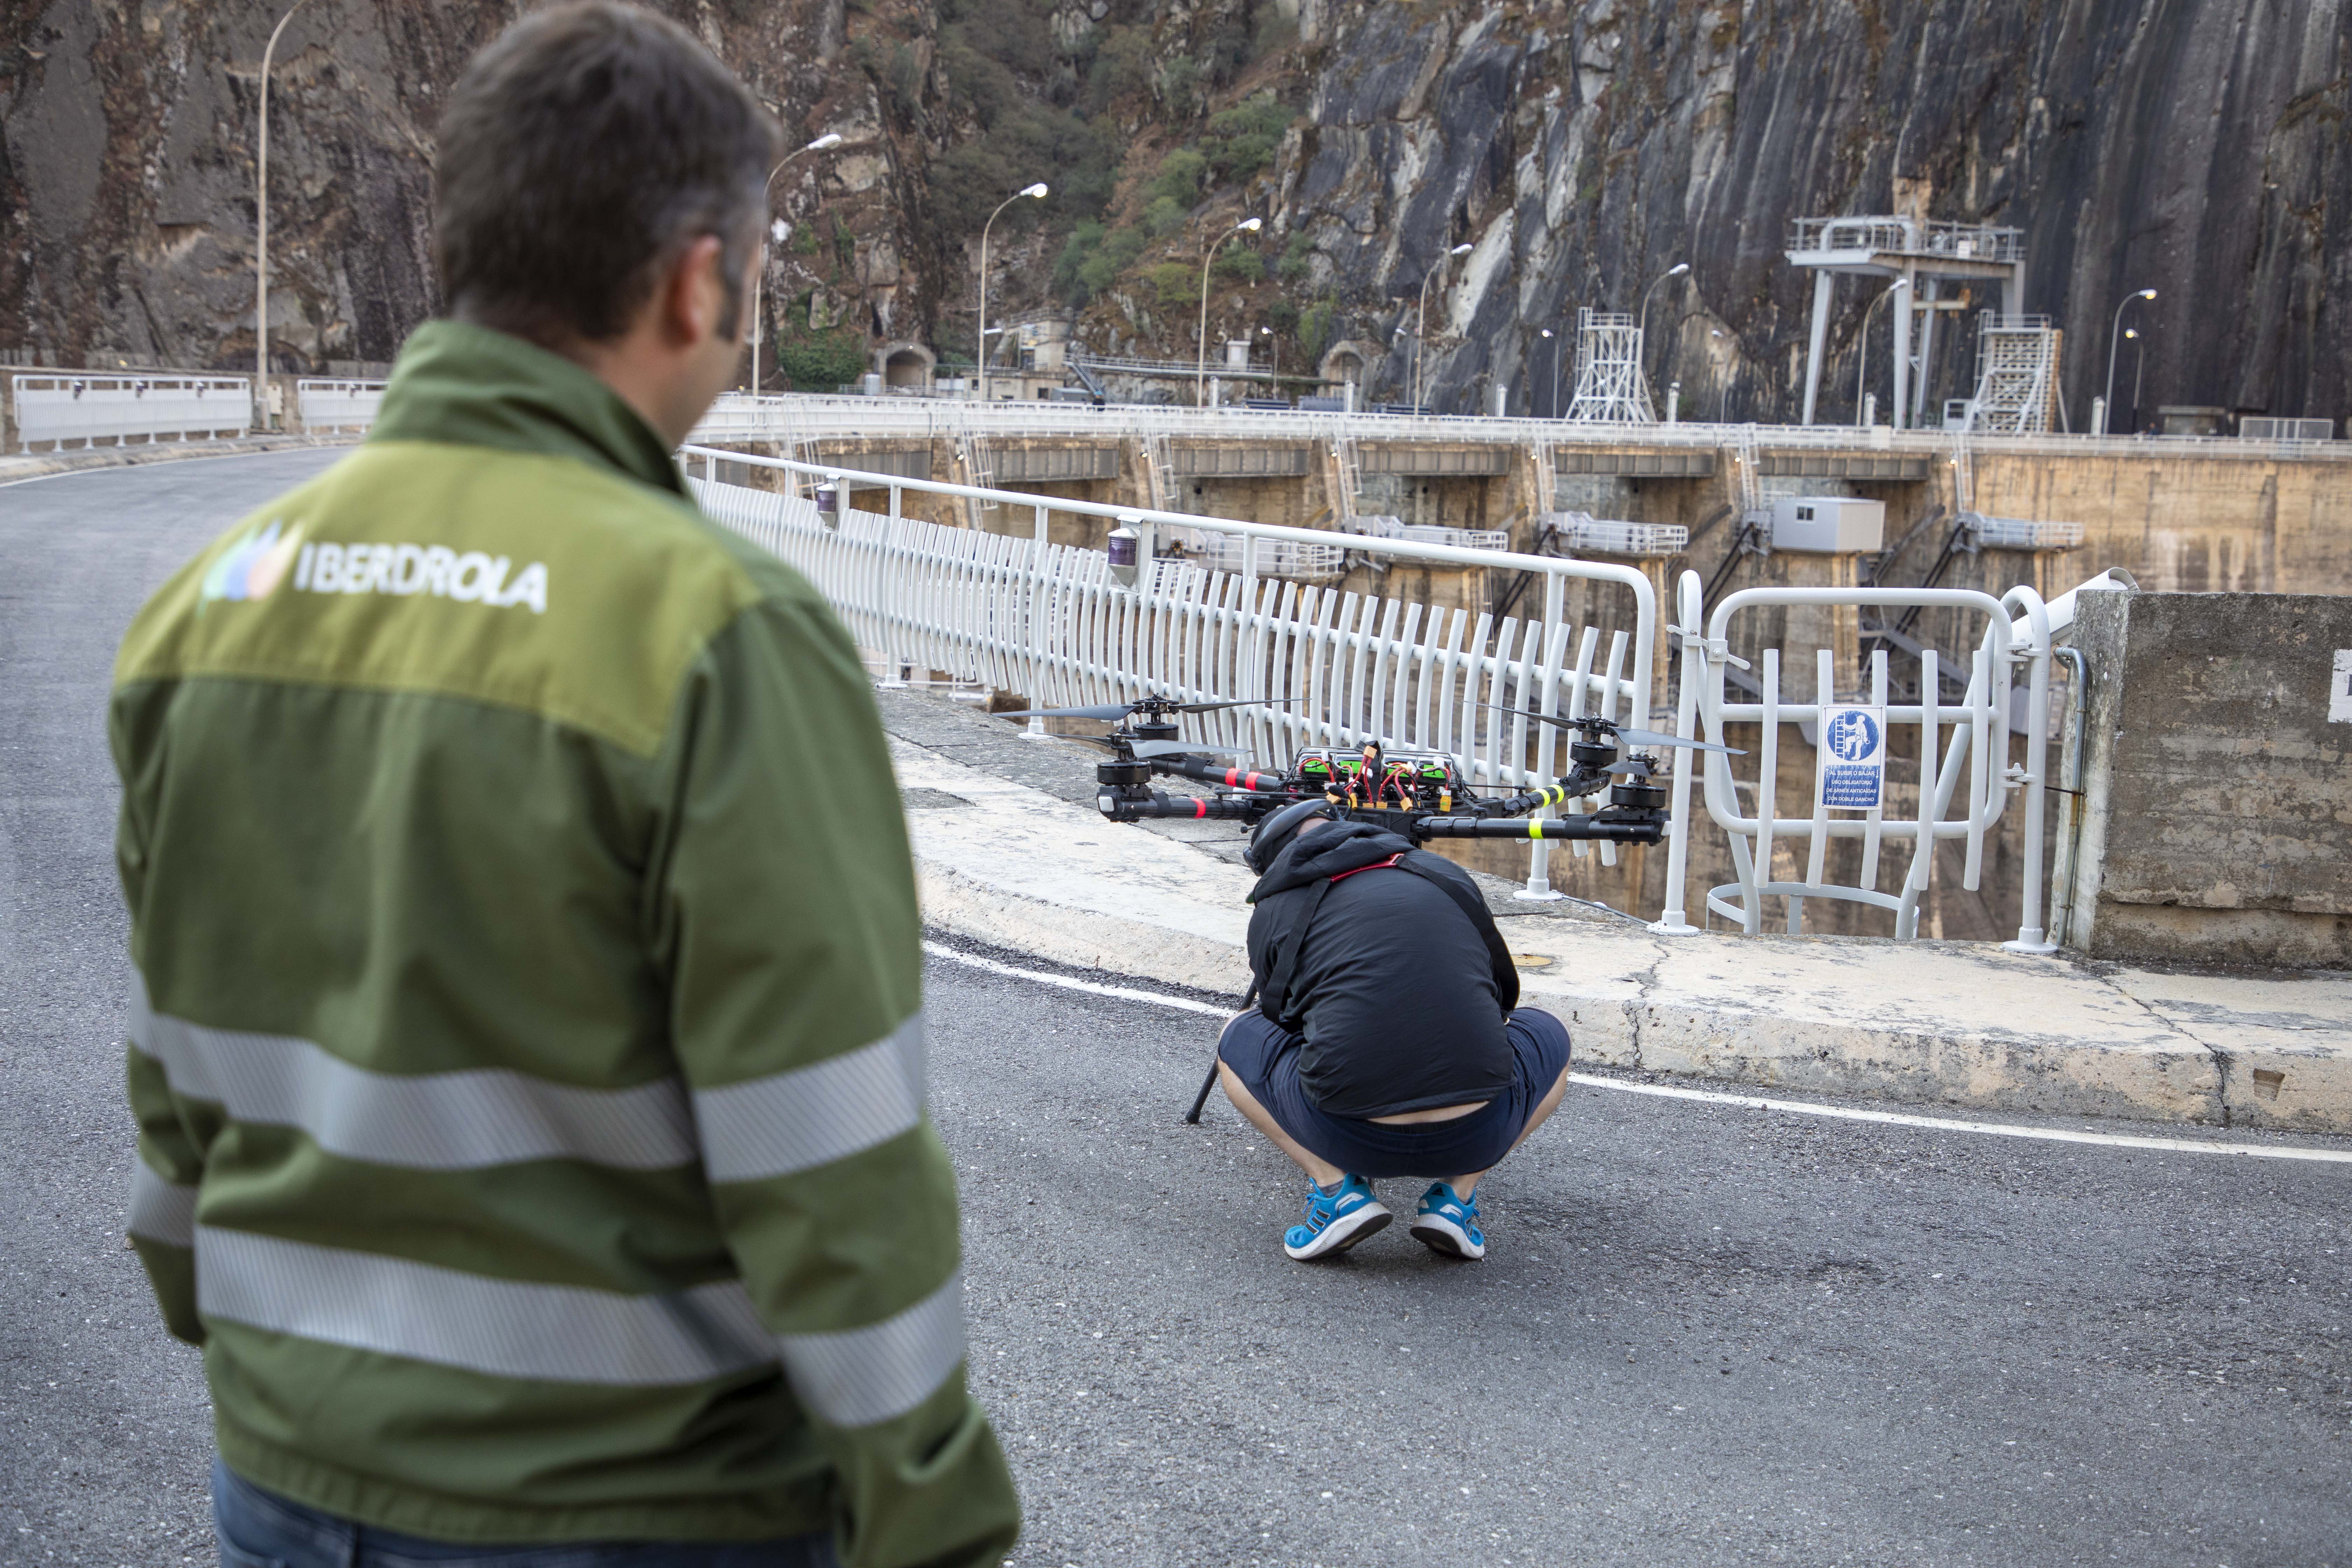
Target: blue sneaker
(1335, 1221)
(1447, 1224)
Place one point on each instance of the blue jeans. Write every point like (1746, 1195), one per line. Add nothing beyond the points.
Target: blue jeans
(261, 1530)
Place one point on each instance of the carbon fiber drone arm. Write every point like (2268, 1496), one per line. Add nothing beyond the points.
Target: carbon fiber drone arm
(1157, 802)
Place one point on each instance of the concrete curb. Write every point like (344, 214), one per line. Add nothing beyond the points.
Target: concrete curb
(1029, 868)
(40, 466)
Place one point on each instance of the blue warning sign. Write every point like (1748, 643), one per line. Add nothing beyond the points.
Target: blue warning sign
(1853, 774)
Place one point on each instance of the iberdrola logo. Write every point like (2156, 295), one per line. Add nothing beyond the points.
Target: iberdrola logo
(254, 566)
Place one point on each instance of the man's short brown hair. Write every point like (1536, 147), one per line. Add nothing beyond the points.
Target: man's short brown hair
(577, 154)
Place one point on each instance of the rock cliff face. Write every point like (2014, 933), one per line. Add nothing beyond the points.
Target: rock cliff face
(2198, 147)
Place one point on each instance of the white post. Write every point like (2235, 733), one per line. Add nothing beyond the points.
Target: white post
(1823, 283)
(1036, 729)
(261, 235)
(1899, 413)
(1671, 920)
(1539, 886)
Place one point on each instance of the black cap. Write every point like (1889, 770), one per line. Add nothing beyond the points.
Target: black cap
(1266, 841)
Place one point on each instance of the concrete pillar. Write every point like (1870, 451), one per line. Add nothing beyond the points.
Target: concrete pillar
(2012, 292)
(1928, 318)
(1822, 282)
(1895, 415)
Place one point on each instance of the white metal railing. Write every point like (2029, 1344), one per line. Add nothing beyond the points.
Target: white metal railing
(337, 405)
(768, 418)
(1971, 735)
(1327, 667)
(53, 407)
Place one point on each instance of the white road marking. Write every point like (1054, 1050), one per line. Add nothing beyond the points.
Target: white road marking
(1183, 1004)
(1712, 1096)
(1946, 1124)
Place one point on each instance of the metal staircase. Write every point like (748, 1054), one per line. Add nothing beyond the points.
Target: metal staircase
(978, 474)
(2017, 389)
(1159, 474)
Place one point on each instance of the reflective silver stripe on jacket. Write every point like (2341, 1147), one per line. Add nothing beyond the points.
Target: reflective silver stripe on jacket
(431, 1121)
(813, 1116)
(558, 1333)
(160, 1209)
(860, 1376)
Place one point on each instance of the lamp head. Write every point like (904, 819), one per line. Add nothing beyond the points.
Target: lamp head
(1249, 226)
(1460, 250)
(1546, 332)
(1678, 268)
(2131, 332)
(2147, 293)
(1037, 190)
(831, 138)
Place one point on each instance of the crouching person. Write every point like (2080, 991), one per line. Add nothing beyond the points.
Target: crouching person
(1388, 1039)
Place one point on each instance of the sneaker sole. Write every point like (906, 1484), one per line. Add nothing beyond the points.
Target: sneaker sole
(1343, 1234)
(1445, 1238)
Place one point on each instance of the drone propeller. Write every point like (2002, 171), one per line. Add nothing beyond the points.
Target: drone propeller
(1623, 733)
(1144, 750)
(1115, 711)
(1147, 750)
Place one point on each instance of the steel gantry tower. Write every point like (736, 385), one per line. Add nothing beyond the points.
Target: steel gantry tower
(1920, 253)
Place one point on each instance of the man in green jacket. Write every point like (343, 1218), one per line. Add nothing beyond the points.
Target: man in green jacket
(526, 1039)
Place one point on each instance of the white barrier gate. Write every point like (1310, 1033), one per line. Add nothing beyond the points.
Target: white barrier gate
(92, 408)
(1333, 668)
(337, 405)
(1973, 733)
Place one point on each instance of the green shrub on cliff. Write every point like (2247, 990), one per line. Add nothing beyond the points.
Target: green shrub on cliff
(1174, 282)
(1243, 140)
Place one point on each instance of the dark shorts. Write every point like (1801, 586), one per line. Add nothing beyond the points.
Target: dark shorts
(1265, 1056)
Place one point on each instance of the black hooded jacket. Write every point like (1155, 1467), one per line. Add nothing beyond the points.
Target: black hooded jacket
(1401, 997)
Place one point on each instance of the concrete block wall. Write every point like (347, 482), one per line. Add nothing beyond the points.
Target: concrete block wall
(2218, 781)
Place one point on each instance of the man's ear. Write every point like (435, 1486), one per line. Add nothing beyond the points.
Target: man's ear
(694, 291)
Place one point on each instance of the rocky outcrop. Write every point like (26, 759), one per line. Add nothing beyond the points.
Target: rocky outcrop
(127, 173)
(2199, 147)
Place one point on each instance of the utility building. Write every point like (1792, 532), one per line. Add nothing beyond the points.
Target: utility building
(1918, 258)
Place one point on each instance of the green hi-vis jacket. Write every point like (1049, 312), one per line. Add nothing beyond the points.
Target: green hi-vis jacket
(526, 1041)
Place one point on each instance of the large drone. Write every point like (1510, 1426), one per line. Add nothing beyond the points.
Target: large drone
(1421, 795)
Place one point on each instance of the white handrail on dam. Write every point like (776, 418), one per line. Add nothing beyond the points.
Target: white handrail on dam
(1317, 665)
(741, 416)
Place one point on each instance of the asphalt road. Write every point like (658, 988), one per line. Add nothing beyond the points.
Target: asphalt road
(1702, 1335)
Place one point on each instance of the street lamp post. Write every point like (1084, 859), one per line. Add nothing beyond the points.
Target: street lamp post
(1200, 365)
(1676, 270)
(261, 233)
(981, 337)
(823, 144)
(1553, 407)
(1723, 404)
(1862, 352)
(2139, 363)
(2113, 341)
(1421, 317)
(1274, 356)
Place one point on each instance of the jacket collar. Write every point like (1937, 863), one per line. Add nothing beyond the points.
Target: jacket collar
(472, 387)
